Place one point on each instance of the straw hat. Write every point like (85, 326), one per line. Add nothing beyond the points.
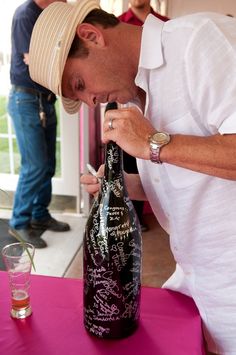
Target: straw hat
(51, 40)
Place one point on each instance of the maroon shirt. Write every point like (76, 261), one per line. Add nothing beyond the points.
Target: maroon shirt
(130, 17)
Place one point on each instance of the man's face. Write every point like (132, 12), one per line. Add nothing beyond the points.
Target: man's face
(139, 4)
(98, 78)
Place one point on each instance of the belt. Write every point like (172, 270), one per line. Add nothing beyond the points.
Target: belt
(51, 98)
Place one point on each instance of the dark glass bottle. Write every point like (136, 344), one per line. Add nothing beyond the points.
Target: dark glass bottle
(112, 256)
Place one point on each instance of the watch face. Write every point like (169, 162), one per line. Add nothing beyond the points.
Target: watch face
(156, 142)
(160, 138)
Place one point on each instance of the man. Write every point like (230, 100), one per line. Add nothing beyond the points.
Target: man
(138, 12)
(182, 73)
(136, 15)
(31, 107)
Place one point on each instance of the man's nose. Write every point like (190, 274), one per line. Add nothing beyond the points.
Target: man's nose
(93, 101)
(90, 100)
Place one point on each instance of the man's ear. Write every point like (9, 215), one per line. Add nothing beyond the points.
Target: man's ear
(90, 34)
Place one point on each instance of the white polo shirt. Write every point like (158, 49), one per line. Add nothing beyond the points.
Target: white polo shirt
(187, 68)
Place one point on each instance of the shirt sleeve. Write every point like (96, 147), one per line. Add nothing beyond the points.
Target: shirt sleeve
(210, 62)
(21, 33)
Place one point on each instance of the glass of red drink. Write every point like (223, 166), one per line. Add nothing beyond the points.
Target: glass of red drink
(18, 259)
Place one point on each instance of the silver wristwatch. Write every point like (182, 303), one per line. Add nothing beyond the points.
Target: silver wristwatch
(156, 142)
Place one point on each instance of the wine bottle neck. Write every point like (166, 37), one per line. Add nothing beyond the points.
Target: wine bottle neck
(113, 163)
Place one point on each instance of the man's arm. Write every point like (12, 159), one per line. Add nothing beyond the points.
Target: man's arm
(213, 155)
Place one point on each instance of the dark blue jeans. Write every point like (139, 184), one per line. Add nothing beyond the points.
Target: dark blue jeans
(37, 146)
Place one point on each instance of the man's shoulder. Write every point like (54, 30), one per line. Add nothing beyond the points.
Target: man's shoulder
(126, 16)
(20, 10)
(28, 9)
(161, 17)
(194, 21)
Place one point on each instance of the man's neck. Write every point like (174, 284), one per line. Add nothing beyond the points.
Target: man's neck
(142, 98)
(141, 12)
(43, 3)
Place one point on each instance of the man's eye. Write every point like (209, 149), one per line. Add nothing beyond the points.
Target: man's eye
(79, 86)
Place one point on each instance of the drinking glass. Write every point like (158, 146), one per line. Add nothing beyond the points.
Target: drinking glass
(18, 259)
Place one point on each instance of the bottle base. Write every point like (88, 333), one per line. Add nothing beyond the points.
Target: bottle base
(115, 333)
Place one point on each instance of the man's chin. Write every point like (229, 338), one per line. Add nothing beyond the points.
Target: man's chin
(124, 101)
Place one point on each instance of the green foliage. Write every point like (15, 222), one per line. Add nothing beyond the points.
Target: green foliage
(3, 114)
(3, 105)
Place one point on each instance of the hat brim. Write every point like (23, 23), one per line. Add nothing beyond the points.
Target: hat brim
(71, 106)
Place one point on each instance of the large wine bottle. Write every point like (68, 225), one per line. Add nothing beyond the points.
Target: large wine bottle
(112, 256)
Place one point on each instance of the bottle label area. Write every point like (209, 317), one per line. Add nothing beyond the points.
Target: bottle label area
(112, 272)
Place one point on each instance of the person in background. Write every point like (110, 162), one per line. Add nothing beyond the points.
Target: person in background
(138, 12)
(32, 109)
(136, 15)
(182, 73)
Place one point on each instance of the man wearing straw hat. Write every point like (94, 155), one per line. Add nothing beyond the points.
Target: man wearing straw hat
(182, 75)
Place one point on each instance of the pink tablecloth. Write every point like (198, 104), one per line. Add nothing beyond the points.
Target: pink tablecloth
(169, 325)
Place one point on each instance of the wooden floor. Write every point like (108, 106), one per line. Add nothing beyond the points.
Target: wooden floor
(158, 262)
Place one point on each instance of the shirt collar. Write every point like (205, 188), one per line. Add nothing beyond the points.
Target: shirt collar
(151, 55)
(130, 17)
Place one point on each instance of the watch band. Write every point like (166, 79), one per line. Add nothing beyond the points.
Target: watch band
(156, 142)
(155, 153)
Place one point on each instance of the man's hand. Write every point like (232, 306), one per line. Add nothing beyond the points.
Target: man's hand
(132, 181)
(130, 131)
(91, 183)
(26, 58)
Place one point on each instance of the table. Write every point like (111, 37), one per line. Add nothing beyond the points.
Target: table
(170, 323)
